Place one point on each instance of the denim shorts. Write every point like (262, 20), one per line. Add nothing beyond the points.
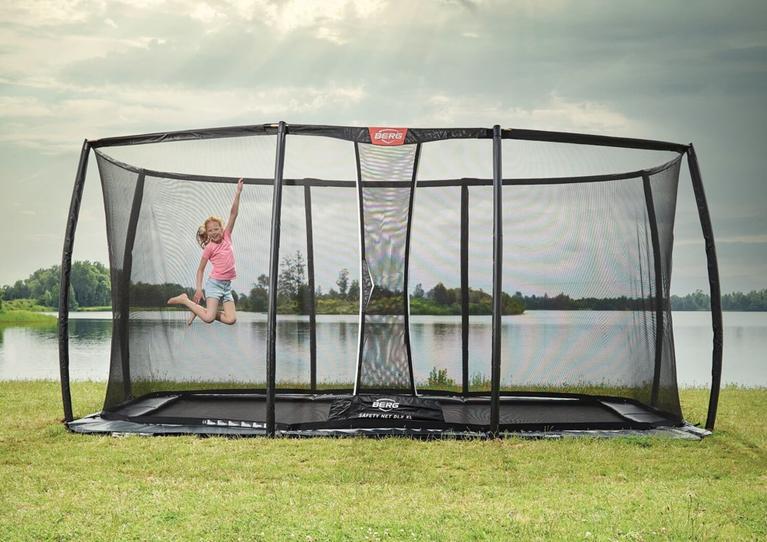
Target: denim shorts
(218, 289)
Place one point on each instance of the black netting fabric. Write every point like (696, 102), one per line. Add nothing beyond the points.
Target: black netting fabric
(663, 185)
(385, 275)
(583, 257)
(151, 223)
(385, 192)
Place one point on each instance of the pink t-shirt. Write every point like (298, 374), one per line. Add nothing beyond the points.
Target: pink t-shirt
(221, 257)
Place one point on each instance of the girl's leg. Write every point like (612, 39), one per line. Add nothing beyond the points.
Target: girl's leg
(191, 317)
(229, 316)
(207, 314)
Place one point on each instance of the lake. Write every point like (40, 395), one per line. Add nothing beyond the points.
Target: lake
(31, 352)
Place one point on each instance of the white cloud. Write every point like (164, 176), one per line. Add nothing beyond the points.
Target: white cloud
(22, 107)
(587, 115)
(298, 14)
(41, 13)
(206, 13)
(102, 111)
(25, 58)
(555, 113)
(331, 35)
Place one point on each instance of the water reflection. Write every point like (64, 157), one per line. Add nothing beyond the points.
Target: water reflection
(546, 345)
(90, 330)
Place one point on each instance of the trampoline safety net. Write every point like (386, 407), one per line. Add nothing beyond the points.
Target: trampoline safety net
(384, 292)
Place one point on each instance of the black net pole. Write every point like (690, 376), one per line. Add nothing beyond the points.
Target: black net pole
(405, 292)
(364, 277)
(714, 286)
(465, 289)
(122, 307)
(274, 255)
(64, 280)
(495, 377)
(311, 301)
(659, 288)
(591, 139)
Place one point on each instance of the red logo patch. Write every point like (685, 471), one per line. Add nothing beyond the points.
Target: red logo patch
(387, 136)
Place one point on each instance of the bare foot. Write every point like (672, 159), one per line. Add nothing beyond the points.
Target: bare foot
(178, 300)
(190, 319)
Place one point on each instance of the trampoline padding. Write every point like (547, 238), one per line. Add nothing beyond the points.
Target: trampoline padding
(544, 413)
(295, 411)
(250, 409)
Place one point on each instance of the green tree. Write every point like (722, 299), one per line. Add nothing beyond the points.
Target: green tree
(19, 290)
(258, 298)
(440, 295)
(291, 278)
(354, 291)
(418, 291)
(343, 282)
(91, 283)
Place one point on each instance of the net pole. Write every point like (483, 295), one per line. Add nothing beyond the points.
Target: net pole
(465, 288)
(495, 377)
(363, 271)
(123, 287)
(274, 255)
(659, 305)
(714, 285)
(65, 279)
(405, 291)
(312, 301)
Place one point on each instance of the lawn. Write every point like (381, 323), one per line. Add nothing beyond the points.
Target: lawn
(59, 486)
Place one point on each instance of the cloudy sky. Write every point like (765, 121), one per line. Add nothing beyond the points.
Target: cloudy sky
(676, 70)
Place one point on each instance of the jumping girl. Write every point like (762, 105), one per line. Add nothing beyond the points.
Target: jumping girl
(216, 243)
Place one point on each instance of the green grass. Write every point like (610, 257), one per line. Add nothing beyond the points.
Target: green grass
(25, 317)
(25, 305)
(59, 486)
(25, 311)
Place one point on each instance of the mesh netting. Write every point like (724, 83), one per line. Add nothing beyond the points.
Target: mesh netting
(385, 187)
(390, 282)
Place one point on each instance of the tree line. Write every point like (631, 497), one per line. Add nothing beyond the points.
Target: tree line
(755, 300)
(90, 286)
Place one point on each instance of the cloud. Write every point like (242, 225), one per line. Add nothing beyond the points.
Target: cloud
(553, 113)
(331, 35)
(22, 107)
(296, 14)
(206, 13)
(42, 13)
(108, 110)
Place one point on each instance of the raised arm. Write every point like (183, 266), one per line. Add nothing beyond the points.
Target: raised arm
(235, 207)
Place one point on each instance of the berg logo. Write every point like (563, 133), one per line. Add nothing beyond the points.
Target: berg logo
(387, 136)
(385, 404)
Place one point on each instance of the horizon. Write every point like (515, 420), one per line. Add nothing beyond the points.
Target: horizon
(324, 289)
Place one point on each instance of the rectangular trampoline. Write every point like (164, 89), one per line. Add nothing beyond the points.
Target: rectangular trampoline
(394, 281)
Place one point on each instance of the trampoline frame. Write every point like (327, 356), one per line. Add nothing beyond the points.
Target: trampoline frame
(413, 136)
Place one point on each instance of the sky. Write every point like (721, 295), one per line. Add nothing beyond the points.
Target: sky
(675, 71)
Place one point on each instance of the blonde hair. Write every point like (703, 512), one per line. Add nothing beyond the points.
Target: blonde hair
(202, 231)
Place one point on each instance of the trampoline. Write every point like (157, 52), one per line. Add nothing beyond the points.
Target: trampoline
(456, 282)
